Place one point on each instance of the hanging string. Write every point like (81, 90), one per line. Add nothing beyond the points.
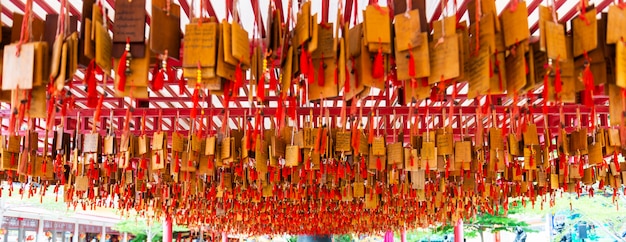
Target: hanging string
(26, 24)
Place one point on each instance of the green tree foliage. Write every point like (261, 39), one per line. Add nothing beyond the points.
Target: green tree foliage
(484, 222)
(142, 230)
(601, 210)
(343, 238)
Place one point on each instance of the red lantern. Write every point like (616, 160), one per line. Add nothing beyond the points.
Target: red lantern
(49, 234)
(3, 231)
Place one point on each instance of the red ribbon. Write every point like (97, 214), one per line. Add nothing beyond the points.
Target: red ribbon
(121, 68)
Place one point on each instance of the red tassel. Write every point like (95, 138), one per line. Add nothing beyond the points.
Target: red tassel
(545, 93)
(90, 79)
(378, 69)
(546, 79)
(558, 85)
(310, 71)
(159, 79)
(182, 85)
(43, 167)
(210, 163)
(292, 108)
(96, 115)
(347, 85)
(195, 99)
(411, 63)
(158, 158)
(615, 161)
(601, 185)
(121, 67)
(379, 164)
(238, 79)
(260, 88)
(355, 140)
(320, 73)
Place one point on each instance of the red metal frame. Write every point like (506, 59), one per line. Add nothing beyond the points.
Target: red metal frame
(382, 101)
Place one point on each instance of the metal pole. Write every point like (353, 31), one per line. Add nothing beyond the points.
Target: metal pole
(103, 234)
(76, 233)
(458, 231)
(167, 230)
(39, 230)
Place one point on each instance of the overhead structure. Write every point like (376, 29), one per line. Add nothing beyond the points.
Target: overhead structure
(282, 118)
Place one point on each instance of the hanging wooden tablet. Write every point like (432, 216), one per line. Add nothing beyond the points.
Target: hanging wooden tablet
(104, 47)
(342, 141)
(515, 24)
(224, 68)
(325, 42)
(23, 62)
(364, 63)
(72, 59)
(278, 147)
(411, 160)
(166, 15)
(555, 41)
(420, 55)
(444, 143)
(86, 44)
(41, 64)
(620, 64)
(240, 44)
(130, 24)
(516, 70)
(395, 153)
(377, 29)
(617, 21)
(261, 157)
(463, 152)
(188, 162)
(568, 78)
(138, 77)
(201, 47)
(407, 31)
(378, 146)
(478, 72)
(530, 135)
(354, 40)
(585, 30)
(487, 34)
(595, 156)
(428, 155)
(444, 59)
(37, 28)
(324, 68)
(579, 140)
(448, 24)
(545, 15)
(303, 24)
(292, 156)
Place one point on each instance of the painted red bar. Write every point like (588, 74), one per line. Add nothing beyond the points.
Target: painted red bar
(239, 112)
